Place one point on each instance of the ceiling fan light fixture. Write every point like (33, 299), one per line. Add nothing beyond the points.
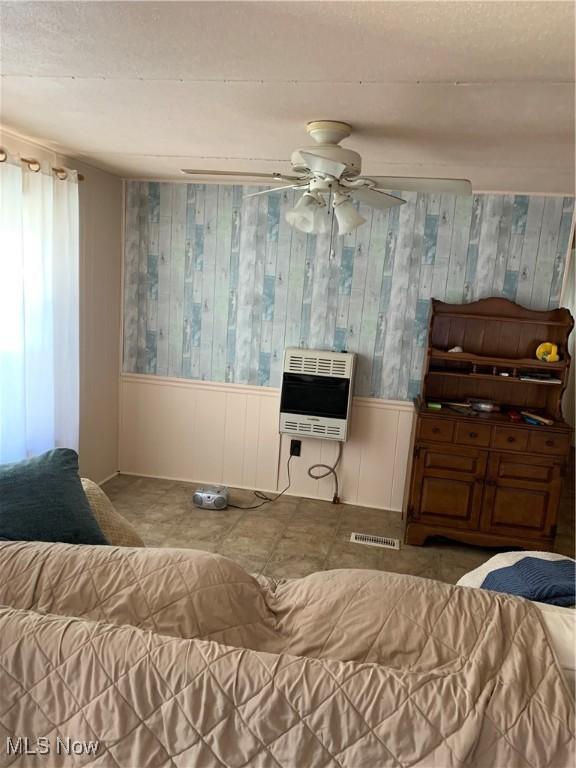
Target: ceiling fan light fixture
(309, 215)
(346, 214)
(322, 221)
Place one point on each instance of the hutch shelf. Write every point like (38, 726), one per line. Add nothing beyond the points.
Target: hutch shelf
(484, 478)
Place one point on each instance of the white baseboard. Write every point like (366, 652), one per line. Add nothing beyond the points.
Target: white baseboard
(272, 492)
(106, 479)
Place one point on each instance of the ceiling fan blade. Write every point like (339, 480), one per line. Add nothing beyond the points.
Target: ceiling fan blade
(319, 164)
(274, 189)
(239, 175)
(409, 184)
(375, 199)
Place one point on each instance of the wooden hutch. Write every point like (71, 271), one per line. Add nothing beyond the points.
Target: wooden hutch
(483, 478)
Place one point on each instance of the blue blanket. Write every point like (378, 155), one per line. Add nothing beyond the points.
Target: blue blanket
(546, 581)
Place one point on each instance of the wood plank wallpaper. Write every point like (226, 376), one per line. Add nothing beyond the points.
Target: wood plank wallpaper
(215, 286)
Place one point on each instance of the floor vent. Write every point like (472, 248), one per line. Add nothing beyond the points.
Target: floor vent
(375, 541)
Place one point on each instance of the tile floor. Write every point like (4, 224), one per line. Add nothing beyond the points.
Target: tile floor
(294, 536)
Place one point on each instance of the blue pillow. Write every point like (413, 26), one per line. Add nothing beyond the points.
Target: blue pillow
(546, 581)
(42, 499)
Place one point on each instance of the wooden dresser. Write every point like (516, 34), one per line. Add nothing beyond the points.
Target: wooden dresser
(485, 479)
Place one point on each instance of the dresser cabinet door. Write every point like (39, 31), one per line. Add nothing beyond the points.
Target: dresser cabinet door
(447, 486)
(521, 495)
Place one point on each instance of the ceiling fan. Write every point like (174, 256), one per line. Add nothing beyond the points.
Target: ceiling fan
(330, 178)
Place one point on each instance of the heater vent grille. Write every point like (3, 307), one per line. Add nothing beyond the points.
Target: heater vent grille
(310, 428)
(327, 365)
(375, 541)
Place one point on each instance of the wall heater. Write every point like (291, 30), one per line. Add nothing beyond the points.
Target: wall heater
(316, 396)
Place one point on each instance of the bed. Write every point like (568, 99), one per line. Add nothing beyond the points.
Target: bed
(178, 657)
(559, 623)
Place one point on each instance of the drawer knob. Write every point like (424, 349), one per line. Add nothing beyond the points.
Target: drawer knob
(472, 434)
(511, 439)
(435, 430)
(550, 443)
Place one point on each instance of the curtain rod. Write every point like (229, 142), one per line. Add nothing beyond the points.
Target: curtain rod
(35, 166)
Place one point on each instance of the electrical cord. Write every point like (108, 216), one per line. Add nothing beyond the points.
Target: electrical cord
(330, 470)
(267, 499)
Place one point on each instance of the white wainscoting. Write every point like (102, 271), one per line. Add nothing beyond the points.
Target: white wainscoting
(227, 433)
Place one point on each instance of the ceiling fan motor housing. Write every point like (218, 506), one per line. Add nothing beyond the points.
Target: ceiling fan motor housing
(328, 131)
(333, 152)
(327, 135)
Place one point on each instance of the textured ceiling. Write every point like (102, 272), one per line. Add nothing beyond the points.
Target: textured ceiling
(476, 89)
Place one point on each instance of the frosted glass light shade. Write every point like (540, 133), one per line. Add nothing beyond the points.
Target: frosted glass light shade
(347, 216)
(309, 215)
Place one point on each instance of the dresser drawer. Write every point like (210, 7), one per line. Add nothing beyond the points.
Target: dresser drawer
(541, 441)
(472, 434)
(508, 438)
(439, 430)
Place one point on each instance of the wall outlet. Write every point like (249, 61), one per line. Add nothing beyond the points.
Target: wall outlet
(295, 447)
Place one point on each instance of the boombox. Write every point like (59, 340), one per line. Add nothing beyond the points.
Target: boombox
(211, 498)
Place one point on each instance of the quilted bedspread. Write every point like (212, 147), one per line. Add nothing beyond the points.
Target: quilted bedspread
(150, 657)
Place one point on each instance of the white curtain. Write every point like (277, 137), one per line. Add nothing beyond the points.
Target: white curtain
(39, 314)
